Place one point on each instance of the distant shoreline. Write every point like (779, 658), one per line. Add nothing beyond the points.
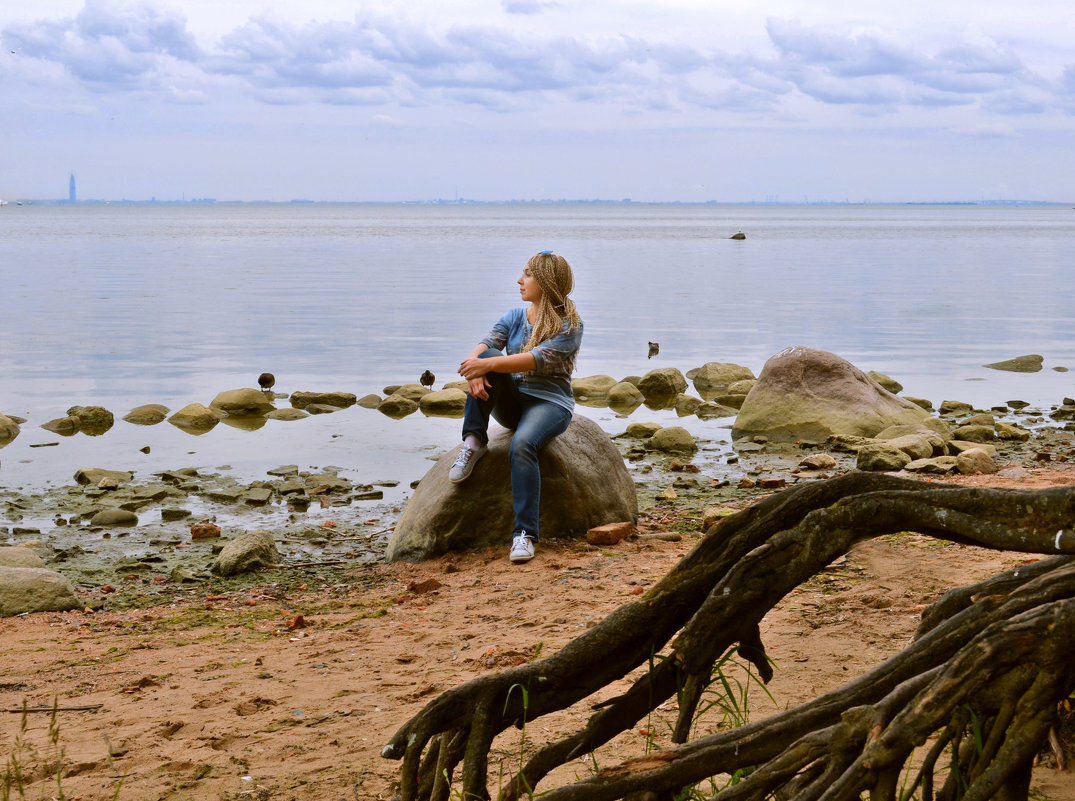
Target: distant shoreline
(543, 202)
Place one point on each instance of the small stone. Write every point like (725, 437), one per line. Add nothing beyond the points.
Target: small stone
(643, 430)
(772, 483)
(258, 496)
(818, 461)
(204, 530)
(975, 460)
(610, 533)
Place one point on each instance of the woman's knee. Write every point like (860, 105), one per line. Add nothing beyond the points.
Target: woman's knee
(522, 447)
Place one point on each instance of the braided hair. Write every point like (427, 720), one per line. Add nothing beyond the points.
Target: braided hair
(553, 274)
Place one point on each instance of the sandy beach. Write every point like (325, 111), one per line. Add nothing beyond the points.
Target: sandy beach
(289, 687)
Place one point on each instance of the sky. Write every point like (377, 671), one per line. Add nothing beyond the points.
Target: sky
(652, 100)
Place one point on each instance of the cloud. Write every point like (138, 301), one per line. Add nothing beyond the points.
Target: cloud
(400, 62)
(527, 6)
(871, 69)
(107, 46)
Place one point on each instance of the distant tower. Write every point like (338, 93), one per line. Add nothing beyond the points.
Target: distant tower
(71, 197)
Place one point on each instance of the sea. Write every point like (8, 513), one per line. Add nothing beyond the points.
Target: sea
(121, 305)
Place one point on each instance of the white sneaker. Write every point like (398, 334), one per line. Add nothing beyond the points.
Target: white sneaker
(522, 548)
(464, 463)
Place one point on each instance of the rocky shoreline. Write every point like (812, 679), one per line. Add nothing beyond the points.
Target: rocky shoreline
(128, 542)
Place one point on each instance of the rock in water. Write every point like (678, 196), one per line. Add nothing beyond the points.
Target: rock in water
(664, 382)
(804, 393)
(9, 429)
(242, 401)
(1030, 363)
(584, 484)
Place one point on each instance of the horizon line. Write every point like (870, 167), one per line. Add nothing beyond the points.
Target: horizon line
(536, 202)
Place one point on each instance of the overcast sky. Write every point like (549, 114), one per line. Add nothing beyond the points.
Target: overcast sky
(661, 100)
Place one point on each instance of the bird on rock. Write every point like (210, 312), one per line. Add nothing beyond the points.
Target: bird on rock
(266, 381)
(654, 349)
(427, 379)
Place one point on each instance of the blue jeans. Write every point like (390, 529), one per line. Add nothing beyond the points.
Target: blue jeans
(534, 421)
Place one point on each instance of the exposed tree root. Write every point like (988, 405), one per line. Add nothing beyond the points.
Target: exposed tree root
(984, 675)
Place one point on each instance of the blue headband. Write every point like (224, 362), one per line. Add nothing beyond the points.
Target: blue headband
(545, 253)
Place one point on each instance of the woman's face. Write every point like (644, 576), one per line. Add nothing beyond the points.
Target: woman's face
(528, 287)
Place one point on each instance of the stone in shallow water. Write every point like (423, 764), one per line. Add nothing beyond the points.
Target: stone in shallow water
(114, 517)
(1030, 363)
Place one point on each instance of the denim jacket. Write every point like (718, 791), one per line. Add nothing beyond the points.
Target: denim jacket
(555, 357)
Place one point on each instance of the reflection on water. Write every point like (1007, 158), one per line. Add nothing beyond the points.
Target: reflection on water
(245, 422)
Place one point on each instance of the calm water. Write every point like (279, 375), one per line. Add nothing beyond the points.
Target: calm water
(125, 305)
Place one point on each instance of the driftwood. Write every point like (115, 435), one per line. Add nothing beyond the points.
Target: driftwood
(980, 683)
(28, 709)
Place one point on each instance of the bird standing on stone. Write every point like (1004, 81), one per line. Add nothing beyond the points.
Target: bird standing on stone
(427, 379)
(654, 349)
(266, 381)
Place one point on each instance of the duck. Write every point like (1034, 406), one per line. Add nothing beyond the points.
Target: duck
(426, 379)
(266, 381)
(654, 349)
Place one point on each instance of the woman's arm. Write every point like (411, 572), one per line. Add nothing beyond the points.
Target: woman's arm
(474, 369)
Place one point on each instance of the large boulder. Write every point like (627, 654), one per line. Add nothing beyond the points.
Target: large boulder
(242, 401)
(34, 589)
(804, 393)
(584, 483)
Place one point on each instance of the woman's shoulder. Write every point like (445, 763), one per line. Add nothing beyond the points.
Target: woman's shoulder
(514, 315)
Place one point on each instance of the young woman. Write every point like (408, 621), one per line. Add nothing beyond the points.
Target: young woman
(521, 375)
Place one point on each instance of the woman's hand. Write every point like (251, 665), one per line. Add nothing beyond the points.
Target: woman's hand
(479, 388)
(473, 367)
(473, 370)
